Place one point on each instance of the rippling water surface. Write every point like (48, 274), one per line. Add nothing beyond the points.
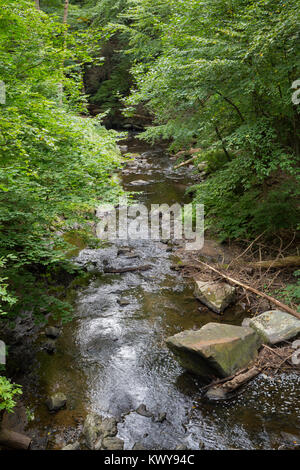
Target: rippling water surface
(113, 358)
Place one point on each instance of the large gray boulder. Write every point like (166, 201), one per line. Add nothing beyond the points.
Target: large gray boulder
(215, 295)
(275, 326)
(215, 349)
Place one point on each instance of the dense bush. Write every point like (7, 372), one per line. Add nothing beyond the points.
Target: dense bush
(55, 165)
(218, 75)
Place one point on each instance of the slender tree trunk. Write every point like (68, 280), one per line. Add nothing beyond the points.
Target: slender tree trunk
(65, 21)
(66, 11)
(37, 4)
(232, 104)
(222, 142)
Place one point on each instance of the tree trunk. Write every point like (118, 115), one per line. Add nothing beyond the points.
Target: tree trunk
(37, 4)
(222, 143)
(293, 261)
(190, 160)
(65, 20)
(184, 153)
(14, 440)
(66, 11)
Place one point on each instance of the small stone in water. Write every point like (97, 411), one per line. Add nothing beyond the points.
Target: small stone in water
(123, 250)
(123, 302)
(50, 347)
(56, 402)
(161, 417)
(52, 332)
(142, 410)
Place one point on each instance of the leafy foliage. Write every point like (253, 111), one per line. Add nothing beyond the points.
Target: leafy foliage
(55, 165)
(291, 293)
(8, 393)
(218, 75)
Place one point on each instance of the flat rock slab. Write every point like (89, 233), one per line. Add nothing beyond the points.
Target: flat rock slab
(275, 326)
(215, 295)
(215, 349)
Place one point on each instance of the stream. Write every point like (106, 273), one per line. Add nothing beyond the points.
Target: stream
(112, 357)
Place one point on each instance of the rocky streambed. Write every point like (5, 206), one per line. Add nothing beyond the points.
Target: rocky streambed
(122, 386)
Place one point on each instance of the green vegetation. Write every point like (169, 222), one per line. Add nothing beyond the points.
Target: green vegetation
(55, 165)
(214, 74)
(8, 393)
(291, 292)
(218, 75)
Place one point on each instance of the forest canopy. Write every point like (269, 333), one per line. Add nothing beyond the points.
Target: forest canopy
(216, 75)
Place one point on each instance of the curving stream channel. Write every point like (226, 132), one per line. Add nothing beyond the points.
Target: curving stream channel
(112, 357)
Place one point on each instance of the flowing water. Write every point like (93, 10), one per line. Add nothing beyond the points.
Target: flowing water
(112, 357)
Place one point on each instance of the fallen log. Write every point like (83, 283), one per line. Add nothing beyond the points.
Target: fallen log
(190, 160)
(127, 269)
(182, 153)
(289, 261)
(14, 440)
(221, 392)
(252, 289)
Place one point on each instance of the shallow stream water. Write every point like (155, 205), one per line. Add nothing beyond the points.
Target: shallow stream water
(112, 358)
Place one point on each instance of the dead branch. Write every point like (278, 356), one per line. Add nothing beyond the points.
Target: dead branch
(246, 250)
(184, 153)
(190, 160)
(271, 349)
(221, 381)
(240, 379)
(252, 289)
(289, 261)
(221, 392)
